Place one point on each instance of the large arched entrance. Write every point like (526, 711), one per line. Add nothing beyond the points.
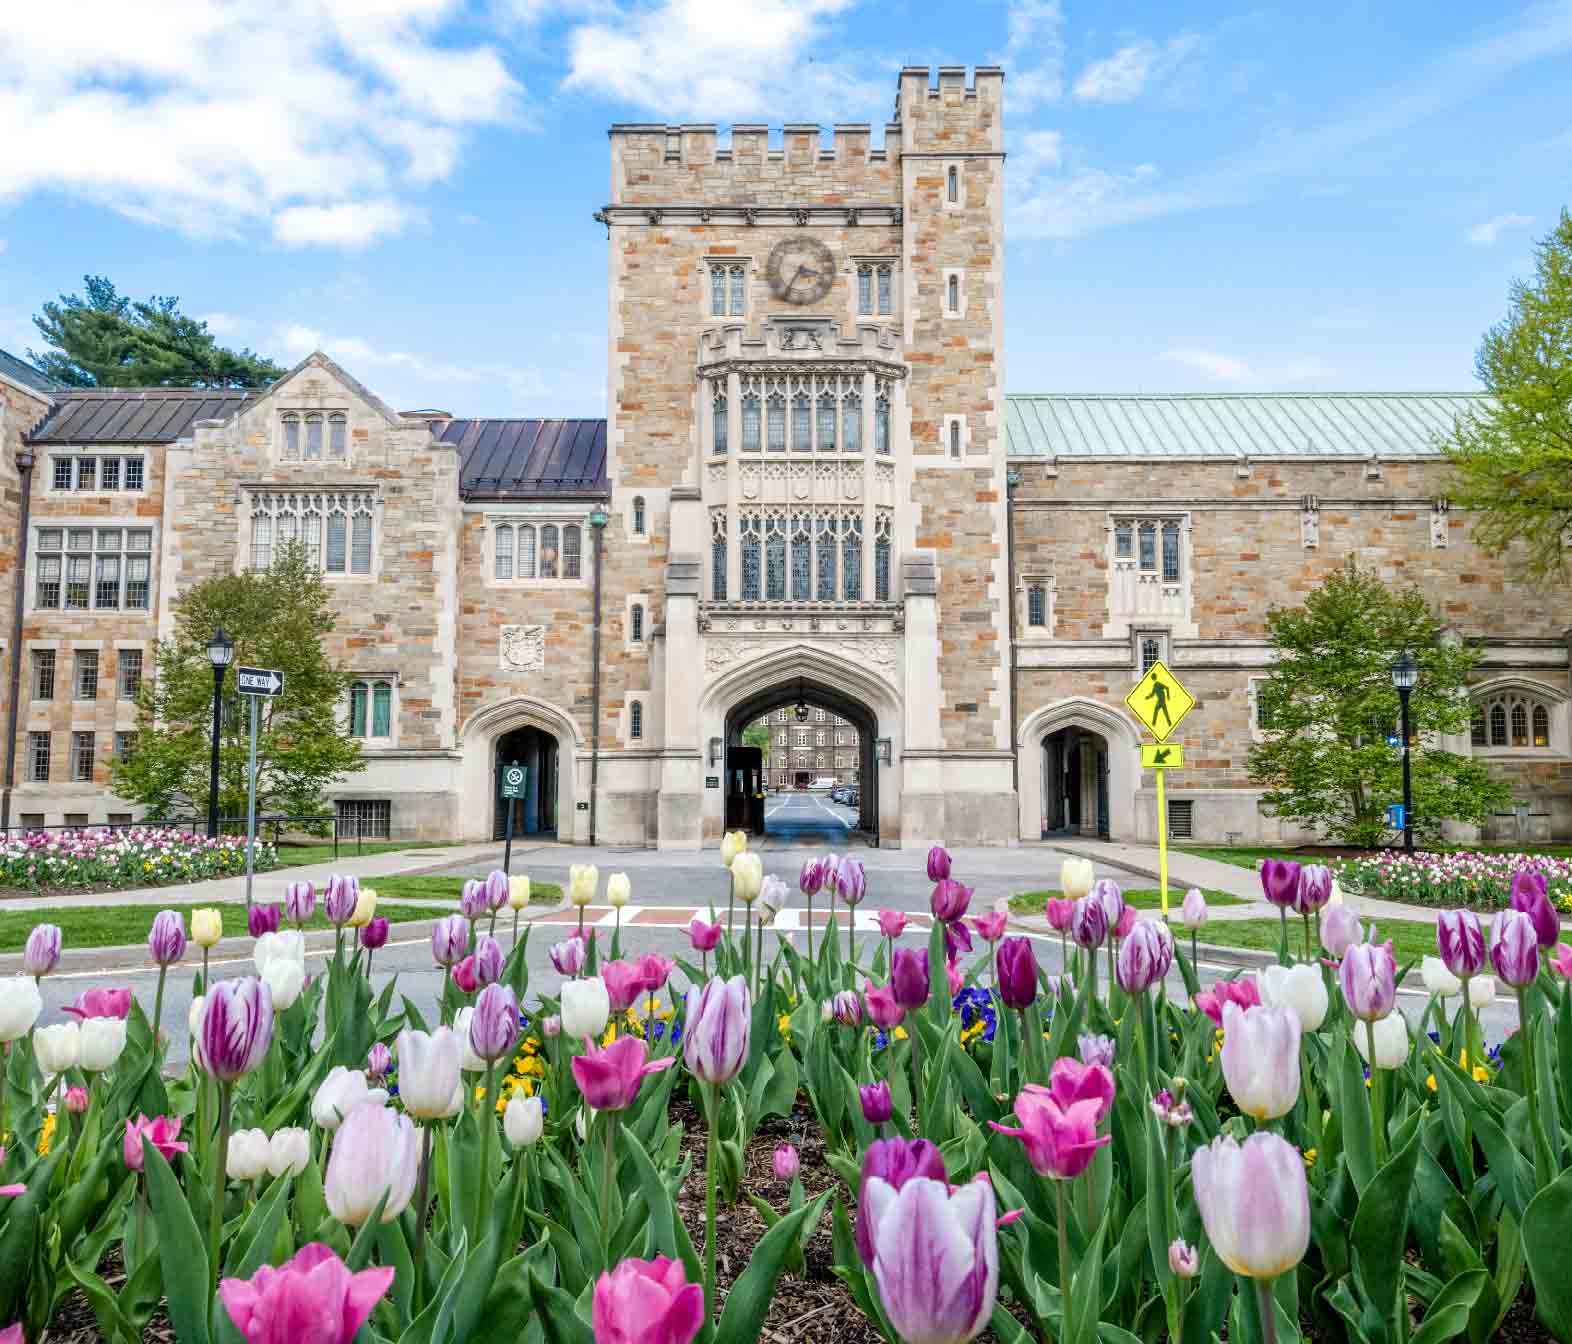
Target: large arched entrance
(1075, 783)
(804, 697)
(1080, 769)
(535, 813)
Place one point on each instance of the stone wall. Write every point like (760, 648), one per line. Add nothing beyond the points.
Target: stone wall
(20, 409)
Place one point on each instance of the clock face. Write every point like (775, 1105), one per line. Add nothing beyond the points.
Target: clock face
(800, 269)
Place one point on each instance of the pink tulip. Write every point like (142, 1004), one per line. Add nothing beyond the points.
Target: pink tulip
(1126, 922)
(883, 1011)
(956, 979)
(786, 1162)
(1340, 930)
(877, 1106)
(464, 975)
(654, 971)
(610, 1078)
(1562, 961)
(100, 1003)
(12, 1334)
(1368, 976)
(1060, 1140)
(76, 1100)
(310, 1299)
(624, 983)
(647, 1302)
(892, 923)
(990, 927)
(1071, 1081)
(1060, 911)
(162, 1132)
(1242, 991)
(704, 936)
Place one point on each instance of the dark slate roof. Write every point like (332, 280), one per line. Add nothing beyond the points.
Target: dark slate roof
(505, 459)
(135, 414)
(20, 371)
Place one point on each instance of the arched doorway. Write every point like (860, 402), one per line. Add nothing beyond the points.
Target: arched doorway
(1080, 770)
(536, 812)
(1075, 783)
(804, 696)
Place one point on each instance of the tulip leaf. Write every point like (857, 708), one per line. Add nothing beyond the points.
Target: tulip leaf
(286, 1108)
(556, 1313)
(186, 1284)
(249, 1247)
(1563, 1069)
(661, 1237)
(310, 1205)
(1510, 1168)
(1086, 1291)
(1358, 1138)
(459, 1308)
(422, 1330)
(1447, 1315)
(1379, 1233)
(749, 1300)
(1547, 1231)
(393, 1249)
(106, 1306)
(366, 1238)
(1206, 1308)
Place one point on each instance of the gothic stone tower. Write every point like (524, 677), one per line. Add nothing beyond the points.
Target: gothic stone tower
(807, 460)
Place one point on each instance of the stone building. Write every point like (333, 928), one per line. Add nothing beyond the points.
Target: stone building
(809, 744)
(810, 488)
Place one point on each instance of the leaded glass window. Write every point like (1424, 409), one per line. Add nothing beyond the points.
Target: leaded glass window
(313, 438)
(720, 422)
(775, 424)
(526, 552)
(885, 279)
(865, 290)
(881, 556)
(752, 561)
(338, 434)
(738, 291)
(1519, 725)
(1170, 552)
(750, 423)
(1124, 540)
(1498, 725)
(550, 551)
(504, 551)
(801, 559)
(337, 550)
(851, 558)
(851, 423)
(570, 551)
(1148, 538)
(717, 291)
(1541, 726)
(718, 555)
(801, 424)
(775, 558)
(881, 423)
(825, 546)
(826, 422)
(1036, 605)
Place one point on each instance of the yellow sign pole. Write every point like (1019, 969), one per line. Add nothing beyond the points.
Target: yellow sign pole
(1162, 839)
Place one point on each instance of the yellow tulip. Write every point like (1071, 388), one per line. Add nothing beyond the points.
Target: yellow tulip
(207, 926)
(365, 908)
(747, 875)
(518, 893)
(618, 890)
(733, 843)
(583, 880)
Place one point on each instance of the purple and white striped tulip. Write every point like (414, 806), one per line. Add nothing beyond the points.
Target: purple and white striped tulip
(496, 889)
(1514, 948)
(1105, 891)
(718, 1028)
(166, 940)
(1145, 956)
(567, 957)
(1368, 977)
(810, 881)
(1280, 882)
(236, 1027)
(1089, 923)
(42, 953)
(488, 960)
(1461, 942)
(300, 902)
(851, 882)
(338, 899)
(1315, 888)
(449, 939)
(472, 899)
(494, 1028)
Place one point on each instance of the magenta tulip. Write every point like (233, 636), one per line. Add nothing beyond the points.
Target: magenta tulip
(1280, 882)
(1514, 948)
(624, 984)
(42, 953)
(1145, 956)
(893, 1161)
(785, 1161)
(647, 1302)
(1561, 962)
(1530, 896)
(654, 971)
(1126, 922)
(162, 1131)
(375, 933)
(311, 1298)
(449, 939)
(717, 1029)
(464, 975)
(909, 977)
(300, 902)
(262, 919)
(166, 940)
(957, 939)
(1072, 1081)
(99, 1003)
(1461, 942)
(1060, 912)
(1368, 977)
(610, 1077)
(846, 1008)
(949, 900)
(884, 1011)
(990, 927)
(1244, 991)
(892, 923)
(938, 863)
(1060, 1140)
(1015, 972)
(1089, 923)
(704, 936)
(877, 1106)
(236, 1027)
(1315, 888)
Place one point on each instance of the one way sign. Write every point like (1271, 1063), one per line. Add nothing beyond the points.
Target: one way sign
(259, 681)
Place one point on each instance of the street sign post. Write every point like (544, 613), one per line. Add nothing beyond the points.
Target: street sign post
(513, 781)
(1160, 702)
(256, 684)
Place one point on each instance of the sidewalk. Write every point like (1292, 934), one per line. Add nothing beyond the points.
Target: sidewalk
(266, 887)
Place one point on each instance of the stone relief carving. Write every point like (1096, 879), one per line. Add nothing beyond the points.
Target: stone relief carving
(801, 482)
(748, 482)
(1309, 522)
(879, 654)
(851, 482)
(1439, 509)
(523, 648)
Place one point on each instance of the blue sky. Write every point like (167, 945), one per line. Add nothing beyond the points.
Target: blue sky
(1214, 197)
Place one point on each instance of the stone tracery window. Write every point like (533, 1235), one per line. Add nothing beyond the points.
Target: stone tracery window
(718, 555)
(801, 413)
(1511, 718)
(523, 550)
(883, 526)
(875, 288)
(728, 289)
(341, 519)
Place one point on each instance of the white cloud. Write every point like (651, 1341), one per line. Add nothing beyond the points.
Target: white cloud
(1034, 54)
(405, 378)
(350, 224)
(216, 118)
(706, 60)
(1224, 368)
(1117, 78)
(1490, 230)
(221, 324)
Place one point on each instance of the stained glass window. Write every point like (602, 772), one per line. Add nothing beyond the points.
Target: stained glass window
(851, 558)
(775, 558)
(801, 424)
(776, 423)
(826, 422)
(825, 545)
(801, 559)
(851, 423)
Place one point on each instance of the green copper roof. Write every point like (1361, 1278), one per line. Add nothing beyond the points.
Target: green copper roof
(1311, 424)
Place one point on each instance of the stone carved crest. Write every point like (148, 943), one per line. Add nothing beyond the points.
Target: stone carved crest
(851, 482)
(801, 482)
(523, 648)
(748, 482)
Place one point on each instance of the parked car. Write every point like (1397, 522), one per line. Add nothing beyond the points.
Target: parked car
(823, 782)
(853, 796)
(838, 794)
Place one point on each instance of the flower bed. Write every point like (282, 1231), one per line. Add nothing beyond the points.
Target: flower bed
(1476, 879)
(138, 857)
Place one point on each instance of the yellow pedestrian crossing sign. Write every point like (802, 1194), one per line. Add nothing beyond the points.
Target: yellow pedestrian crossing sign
(1159, 701)
(1156, 756)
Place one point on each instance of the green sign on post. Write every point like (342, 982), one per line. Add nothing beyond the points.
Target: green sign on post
(513, 781)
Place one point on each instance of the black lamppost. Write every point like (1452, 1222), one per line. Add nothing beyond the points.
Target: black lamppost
(220, 652)
(1405, 672)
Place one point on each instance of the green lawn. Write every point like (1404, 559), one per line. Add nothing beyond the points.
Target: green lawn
(297, 856)
(424, 888)
(1142, 898)
(1411, 939)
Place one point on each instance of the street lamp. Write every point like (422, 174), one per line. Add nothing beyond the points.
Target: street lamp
(598, 519)
(1405, 672)
(220, 652)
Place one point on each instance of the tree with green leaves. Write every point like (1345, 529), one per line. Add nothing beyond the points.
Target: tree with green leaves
(109, 340)
(757, 734)
(277, 618)
(1512, 458)
(1330, 706)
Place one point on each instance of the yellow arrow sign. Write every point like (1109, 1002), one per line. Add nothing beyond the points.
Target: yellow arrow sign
(1156, 756)
(1159, 701)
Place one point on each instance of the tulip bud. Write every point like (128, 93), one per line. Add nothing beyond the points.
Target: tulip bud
(339, 1093)
(42, 953)
(236, 1026)
(786, 1162)
(524, 1120)
(365, 908)
(1145, 956)
(1183, 1260)
(285, 979)
(194, 1014)
(289, 1149)
(909, 977)
(262, 919)
(618, 890)
(846, 1007)
(650, 1301)
(1193, 913)
(488, 960)
(810, 881)
(733, 843)
(248, 1155)
(1105, 891)
(166, 941)
(567, 957)
(551, 1026)
(1096, 1050)
(518, 892)
(1016, 972)
(1076, 877)
(375, 933)
(851, 881)
(207, 926)
(583, 882)
(1298, 988)
(949, 900)
(772, 899)
(1089, 924)
(1060, 912)
(826, 1012)
(1481, 991)
(496, 889)
(57, 1048)
(1280, 881)
(938, 863)
(1514, 948)
(1315, 888)
(1530, 896)
(338, 899)
(76, 1100)
(586, 1008)
(379, 1059)
(877, 1106)
(103, 1039)
(472, 900)
(300, 902)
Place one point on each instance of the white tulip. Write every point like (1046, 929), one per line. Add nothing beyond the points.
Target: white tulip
(518, 892)
(1439, 980)
(248, 1155)
(428, 1073)
(619, 891)
(1076, 877)
(747, 876)
(194, 1014)
(1391, 1041)
(586, 1008)
(288, 1150)
(288, 944)
(58, 1048)
(103, 1038)
(20, 1005)
(1299, 988)
(286, 978)
(339, 1093)
(469, 1061)
(1481, 991)
(581, 1121)
(523, 1120)
(583, 879)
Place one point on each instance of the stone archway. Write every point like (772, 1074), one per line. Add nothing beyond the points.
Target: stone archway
(1110, 782)
(479, 741)
(850, 689)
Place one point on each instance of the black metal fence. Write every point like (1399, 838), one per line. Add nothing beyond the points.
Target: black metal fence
(345, 831)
